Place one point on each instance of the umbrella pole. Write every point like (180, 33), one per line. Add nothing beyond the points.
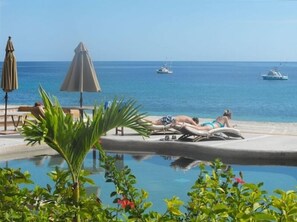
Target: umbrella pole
(5, 116)
(80, 102)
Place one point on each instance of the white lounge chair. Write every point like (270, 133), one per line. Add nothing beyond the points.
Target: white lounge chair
(223, 133)
(161, 129)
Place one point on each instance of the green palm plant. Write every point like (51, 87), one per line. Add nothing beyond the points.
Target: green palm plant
(74, 139)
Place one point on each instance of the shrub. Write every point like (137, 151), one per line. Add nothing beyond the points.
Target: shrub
(217, 195)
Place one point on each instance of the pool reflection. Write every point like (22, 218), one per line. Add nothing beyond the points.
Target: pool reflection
(163, 176)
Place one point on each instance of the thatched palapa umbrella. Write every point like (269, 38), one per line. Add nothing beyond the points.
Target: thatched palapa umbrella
(81, 76)
(9, 81)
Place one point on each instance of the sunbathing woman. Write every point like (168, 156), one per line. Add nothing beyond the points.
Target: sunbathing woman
(220, 121)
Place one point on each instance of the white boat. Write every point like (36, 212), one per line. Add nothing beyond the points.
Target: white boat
(273, 74)
(164, 70)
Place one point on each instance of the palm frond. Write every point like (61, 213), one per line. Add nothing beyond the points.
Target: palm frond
(121, 113)
(74, 139)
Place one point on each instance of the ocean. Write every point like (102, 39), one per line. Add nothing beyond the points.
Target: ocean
(203, 89)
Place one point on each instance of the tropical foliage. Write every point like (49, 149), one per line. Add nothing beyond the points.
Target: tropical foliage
(74, 139)
(217, 195)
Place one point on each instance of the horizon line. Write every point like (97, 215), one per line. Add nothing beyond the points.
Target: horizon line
(262, 61)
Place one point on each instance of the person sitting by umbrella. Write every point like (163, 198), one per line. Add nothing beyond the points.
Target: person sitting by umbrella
(38, 111)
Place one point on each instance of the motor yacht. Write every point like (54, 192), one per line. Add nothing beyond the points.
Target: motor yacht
(164, 70)
(273, 74)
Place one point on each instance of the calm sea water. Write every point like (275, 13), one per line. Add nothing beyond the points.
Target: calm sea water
(202, 89)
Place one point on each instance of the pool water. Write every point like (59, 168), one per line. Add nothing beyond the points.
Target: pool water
(162, 176)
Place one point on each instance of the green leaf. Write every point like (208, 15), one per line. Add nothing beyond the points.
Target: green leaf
(113, 194)
(220, 208)
(265, 217)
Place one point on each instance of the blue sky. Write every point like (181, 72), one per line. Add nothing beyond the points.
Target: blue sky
(151, 30)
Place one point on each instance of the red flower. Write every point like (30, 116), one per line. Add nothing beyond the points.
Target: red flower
(125, 203)
(239, 180)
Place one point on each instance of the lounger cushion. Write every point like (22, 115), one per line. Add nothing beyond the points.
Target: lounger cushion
(159, 128)
(191, 130)
(221, 133)
(226, 130)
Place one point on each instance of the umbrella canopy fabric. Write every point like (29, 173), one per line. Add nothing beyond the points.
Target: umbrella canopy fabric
(9, 80)
(81, 76)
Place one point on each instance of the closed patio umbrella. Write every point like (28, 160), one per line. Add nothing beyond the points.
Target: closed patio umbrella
(81, 76)
(9, 81)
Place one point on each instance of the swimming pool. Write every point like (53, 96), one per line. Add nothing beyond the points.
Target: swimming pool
(162, 176)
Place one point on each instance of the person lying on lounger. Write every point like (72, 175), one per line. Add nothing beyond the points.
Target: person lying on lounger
(219, 122)
(165, 120)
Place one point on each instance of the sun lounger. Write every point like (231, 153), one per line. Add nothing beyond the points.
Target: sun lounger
(36, 111)
(223, 133)
(163, 129)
